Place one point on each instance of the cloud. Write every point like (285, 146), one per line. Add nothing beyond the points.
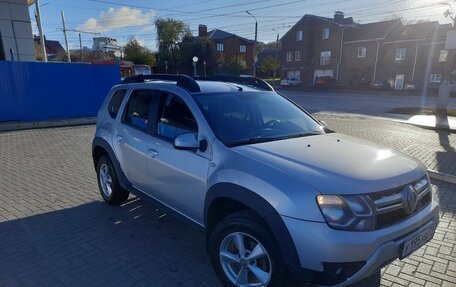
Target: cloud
(114, 19)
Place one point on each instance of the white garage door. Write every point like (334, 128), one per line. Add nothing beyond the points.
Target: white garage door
(321, 73)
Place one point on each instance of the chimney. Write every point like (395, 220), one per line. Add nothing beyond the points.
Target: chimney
(202, 30)
(338, 16)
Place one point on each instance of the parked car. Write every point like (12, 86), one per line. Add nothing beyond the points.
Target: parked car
(278, 194)
(380, 85)
(290, 81)
(142, 70)
(411, 87)
(325, 82)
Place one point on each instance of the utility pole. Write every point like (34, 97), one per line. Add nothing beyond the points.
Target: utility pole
(255, 58)
(80, 47)
(66, 39)
(80, 39)
(277, 50)
(40, 30)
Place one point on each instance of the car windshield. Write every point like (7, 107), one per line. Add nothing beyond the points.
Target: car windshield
(253, 117)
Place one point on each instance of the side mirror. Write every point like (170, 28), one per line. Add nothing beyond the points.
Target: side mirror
(186, 141)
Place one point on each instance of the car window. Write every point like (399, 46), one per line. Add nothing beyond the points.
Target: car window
(115, 102)
(174, 117)
(138, 109)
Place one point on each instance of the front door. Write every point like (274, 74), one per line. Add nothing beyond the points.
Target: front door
(399, 83)
(178, 178)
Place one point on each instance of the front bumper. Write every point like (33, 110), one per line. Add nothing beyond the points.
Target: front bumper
(318, 245)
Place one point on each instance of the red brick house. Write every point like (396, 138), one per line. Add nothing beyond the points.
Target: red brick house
(229, 47)
(311, 48)
(356, 54)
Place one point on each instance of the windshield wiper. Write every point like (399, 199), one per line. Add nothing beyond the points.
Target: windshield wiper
(306, 134)
(256, 140)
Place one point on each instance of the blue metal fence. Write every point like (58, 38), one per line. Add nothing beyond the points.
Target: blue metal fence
(31, 91)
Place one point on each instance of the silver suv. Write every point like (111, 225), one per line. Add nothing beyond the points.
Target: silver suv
(279, 195)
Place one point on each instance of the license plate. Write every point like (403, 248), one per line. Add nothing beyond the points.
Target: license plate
(417, 241)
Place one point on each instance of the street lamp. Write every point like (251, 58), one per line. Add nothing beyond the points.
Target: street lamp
(195, 59)
(255, 45)
(204, 63)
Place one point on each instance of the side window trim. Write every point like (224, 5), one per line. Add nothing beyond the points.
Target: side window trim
(163, 94)
(114, 93)
(150, 125)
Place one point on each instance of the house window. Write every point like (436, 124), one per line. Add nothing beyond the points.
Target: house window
(298, 35)
(297, 55)
(242, 48)
(325, 58)
(220, 47)
(325, 33)
(289, 56)
(435, 78)
(362, 52)
(400, 54)
(443, 55)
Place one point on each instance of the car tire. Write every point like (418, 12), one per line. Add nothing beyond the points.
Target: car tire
(108, 184)
(245, 227)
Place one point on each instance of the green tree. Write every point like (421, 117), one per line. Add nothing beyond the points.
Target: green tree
(236, 66)
(138, 54)
(170, 33)
(269, 64)
(199, 47)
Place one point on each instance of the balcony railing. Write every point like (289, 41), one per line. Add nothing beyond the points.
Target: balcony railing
(321, 61)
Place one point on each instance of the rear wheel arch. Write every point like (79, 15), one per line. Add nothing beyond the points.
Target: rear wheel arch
(101, 147)
(223, 199)
(97, 152)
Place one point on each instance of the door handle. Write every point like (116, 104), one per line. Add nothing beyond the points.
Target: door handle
(153, 153)
(119, 137)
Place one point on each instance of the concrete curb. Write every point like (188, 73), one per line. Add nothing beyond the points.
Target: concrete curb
(16, 126)
(442, 176)
(403, 119)
(385, 117)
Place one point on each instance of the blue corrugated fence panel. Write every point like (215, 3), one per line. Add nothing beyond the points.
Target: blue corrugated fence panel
(31, 91)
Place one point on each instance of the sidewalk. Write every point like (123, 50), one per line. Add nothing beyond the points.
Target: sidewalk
(427, 121)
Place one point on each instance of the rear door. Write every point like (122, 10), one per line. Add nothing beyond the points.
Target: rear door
(132, 137)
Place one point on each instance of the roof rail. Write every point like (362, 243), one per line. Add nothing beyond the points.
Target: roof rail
(250, 81)
(182, 81)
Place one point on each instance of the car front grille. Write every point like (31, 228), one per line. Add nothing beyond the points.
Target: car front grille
(397, 204)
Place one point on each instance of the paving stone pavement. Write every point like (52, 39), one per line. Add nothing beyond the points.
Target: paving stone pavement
(436, 149)
(56, 231)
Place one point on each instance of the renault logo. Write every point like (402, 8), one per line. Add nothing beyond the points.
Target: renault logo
(410, 199)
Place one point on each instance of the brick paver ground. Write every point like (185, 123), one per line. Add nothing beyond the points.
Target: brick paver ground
(436, 149)
(56, 231)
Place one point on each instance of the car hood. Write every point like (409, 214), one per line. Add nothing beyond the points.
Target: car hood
(337, 164)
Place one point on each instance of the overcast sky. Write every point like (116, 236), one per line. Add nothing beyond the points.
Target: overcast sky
(122, 19)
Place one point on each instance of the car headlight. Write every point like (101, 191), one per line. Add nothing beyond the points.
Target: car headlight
(421, 184)
(348, 212)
